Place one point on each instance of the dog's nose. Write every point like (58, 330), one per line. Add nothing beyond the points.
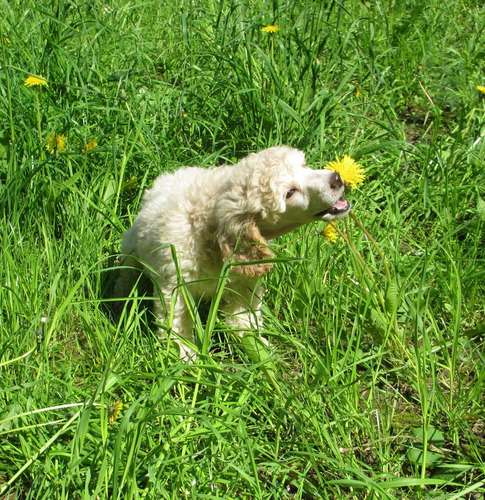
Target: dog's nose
(336, 181)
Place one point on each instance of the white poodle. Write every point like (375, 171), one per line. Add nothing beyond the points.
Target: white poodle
(195, 221)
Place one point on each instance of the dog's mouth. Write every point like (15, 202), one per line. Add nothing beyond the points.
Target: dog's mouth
(337, 209)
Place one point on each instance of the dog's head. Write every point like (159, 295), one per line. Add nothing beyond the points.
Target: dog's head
(269, 194)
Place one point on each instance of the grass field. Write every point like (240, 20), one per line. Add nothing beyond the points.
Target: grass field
(375, 388)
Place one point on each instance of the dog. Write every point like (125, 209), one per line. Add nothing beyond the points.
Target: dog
(196, 222)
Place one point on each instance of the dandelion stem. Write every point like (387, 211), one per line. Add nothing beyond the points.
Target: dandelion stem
(384, 262)
(356, 253)
(39, 128)
(358, 259)
(376, 246)
(366, 267)
(7, 84)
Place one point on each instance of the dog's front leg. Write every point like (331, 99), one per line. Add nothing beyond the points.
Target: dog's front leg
(243, 312)
(176, 316)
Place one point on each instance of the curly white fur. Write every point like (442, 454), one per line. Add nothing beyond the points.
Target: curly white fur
(225, 214)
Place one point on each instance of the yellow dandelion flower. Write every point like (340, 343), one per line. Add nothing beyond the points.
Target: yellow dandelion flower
(272, 28)
(481, 88)
(350, 171)
(35, 80)
(330, 234)
(61, 143)
(56, 143)
(114, 411)
(130, 184)
(51, 143)
(92, 143)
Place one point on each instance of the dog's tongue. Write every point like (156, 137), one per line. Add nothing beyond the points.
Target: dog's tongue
(337, 208)
(341, 204)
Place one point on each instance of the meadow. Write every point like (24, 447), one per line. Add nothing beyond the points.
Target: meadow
(375, 386)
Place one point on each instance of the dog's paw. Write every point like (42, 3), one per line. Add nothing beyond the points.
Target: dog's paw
(187, 354)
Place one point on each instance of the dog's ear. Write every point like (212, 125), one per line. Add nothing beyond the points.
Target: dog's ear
(244, 243)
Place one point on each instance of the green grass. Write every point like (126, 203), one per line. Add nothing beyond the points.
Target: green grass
(375, 388)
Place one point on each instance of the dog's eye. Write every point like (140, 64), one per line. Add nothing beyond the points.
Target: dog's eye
(290, 193)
